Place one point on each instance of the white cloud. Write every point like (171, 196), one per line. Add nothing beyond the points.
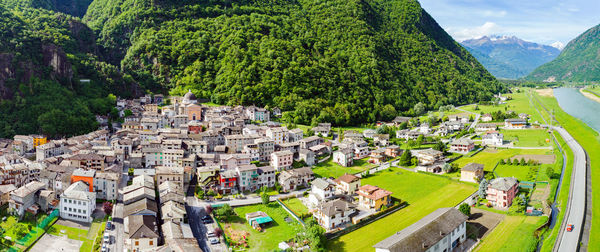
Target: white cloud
(497, 14)
(488, 28)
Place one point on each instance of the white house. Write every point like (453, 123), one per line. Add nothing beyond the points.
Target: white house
(335, 213)
(321, 190)
(77, 203)
(493, 138)
(279, 135)
(344, 157)
(443, 230)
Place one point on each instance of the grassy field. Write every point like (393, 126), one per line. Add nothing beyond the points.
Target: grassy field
(517, 171)
(489, 158)
(424, 194)
(277, 231)
(528, 138)
(520, 104)
(296, 205)
(332, 169)
(514, 233)
(590, 141)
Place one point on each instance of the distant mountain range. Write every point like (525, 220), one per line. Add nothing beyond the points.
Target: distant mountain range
(509, 57)
(578, 62)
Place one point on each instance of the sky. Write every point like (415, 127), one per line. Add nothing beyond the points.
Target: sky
(541, 21)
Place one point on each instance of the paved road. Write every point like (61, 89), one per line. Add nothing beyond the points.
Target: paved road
(118, 230)
(575, 211)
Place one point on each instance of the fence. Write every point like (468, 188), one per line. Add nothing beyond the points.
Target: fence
(291, 212)
(35, 232)
(225, 239)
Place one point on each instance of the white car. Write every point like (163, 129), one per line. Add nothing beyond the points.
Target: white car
(106, 238)
(214, 241)
(210, 234)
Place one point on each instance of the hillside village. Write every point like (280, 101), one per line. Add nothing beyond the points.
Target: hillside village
(166, 178)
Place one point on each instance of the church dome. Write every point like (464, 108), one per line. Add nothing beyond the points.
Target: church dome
(189, 96)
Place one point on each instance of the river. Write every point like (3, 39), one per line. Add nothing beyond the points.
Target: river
(578, 106)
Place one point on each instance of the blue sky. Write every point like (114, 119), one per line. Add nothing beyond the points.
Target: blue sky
(542, 21)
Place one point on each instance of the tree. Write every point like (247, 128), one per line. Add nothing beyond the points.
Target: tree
(209, 209)
(405, 158)
(482, 188)
(447, 168)
(383, 129)
(218, 232)
(265, 198)
(419, 108)
(465, 209)
(21, 229)
(523, 162)
(440, 146)
(550, 172)
(388, 113)
(420, 140)
(502, 162)
(224, 212)
(107, 207)
(311, 233)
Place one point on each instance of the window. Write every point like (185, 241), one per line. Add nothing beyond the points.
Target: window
(137, 243)
(152, 242)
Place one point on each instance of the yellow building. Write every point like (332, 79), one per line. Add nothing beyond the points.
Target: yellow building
(39, 140)
(373, 197)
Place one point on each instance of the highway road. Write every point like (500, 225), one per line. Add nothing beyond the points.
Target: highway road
(575, 211)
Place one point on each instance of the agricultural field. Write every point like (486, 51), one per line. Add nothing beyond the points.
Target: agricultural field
(490, 157)
(528, 137)
(277, 231)
(332, 169)
(514, 233)
(424, 194)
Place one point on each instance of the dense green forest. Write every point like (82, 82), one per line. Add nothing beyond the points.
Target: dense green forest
(578, 62)
(341, 61)
(44, 55)
(344, 61)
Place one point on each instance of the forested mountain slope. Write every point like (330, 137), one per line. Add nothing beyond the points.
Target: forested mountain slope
(72, 7)
(43, 56)
(344, 61)
(579, 61)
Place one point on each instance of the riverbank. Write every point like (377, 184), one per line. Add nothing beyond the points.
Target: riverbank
(589, 95)
(588, 138)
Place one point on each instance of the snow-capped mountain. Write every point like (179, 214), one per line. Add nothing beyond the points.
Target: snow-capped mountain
(510, 57)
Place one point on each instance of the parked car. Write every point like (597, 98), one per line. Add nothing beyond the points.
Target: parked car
(106, 239)
(570, 227)
(108, 225)
(206, 217)
(207, 220)
(210, 234)
(214, 241)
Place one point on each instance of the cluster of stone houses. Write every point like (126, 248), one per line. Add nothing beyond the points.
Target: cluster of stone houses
(333, 203)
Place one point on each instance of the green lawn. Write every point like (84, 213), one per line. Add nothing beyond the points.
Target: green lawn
(517, 171)
(590, 141)
(490, 157)
(528, 137)
(277, 231)
(296, 205)
(514, 233)
(424, 194)
(332, 169)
